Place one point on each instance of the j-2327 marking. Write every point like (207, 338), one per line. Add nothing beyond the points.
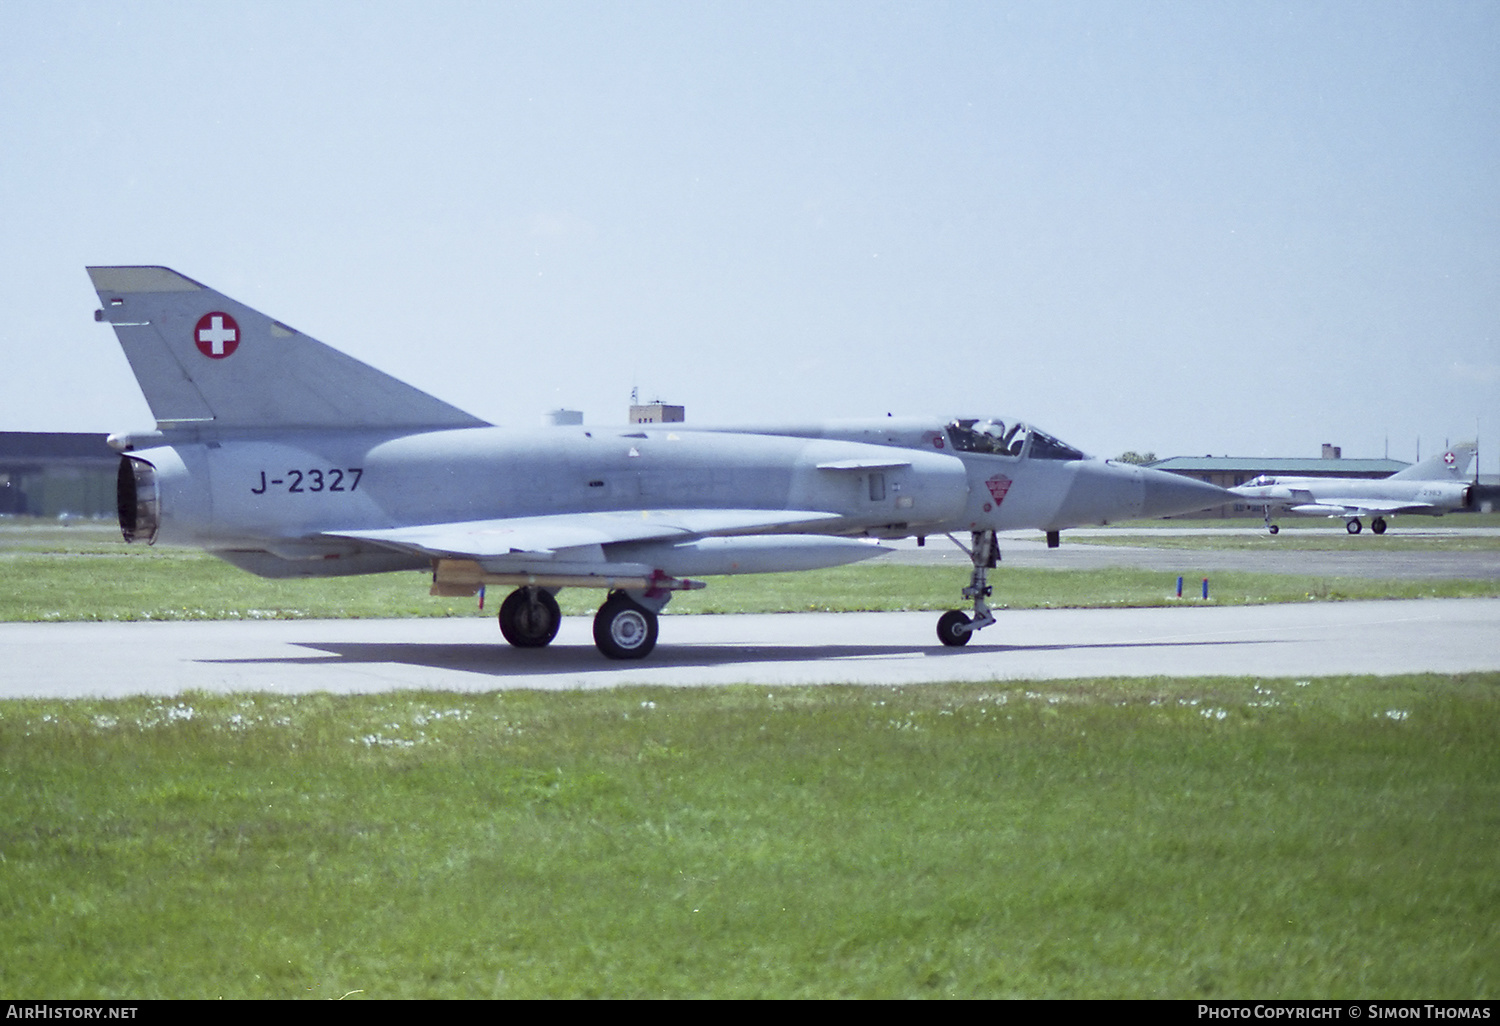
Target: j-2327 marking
(303, 481)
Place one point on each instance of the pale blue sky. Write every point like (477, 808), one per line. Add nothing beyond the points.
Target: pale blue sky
(1187, 227)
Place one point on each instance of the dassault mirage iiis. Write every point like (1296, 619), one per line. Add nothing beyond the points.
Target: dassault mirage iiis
(288, 458)
(1433, 487)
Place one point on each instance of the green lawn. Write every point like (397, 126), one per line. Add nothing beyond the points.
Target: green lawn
(1106, 838)
(1303, 541)
(179, 584)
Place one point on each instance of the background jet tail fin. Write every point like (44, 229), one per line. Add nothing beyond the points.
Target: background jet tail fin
(1449, 465)
(200, 356)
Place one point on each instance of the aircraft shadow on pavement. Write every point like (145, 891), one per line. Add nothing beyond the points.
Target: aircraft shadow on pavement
(504, 661)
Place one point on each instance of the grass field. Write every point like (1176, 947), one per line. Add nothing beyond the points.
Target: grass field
(1409, 534)
(1409, 524)
(85, 572)
(1083, 839)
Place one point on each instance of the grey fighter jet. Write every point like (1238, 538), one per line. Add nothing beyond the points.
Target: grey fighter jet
(288, 458)
(1431, 488)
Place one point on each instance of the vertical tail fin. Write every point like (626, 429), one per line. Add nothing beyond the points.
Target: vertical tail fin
(1452, 464)
(200, 356)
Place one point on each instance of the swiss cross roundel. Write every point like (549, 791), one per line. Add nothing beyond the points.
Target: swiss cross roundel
(217, 335)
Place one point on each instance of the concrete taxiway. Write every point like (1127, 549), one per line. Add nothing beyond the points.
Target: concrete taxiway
(64, 660)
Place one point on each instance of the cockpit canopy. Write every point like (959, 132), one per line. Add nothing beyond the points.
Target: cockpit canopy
(996, 437)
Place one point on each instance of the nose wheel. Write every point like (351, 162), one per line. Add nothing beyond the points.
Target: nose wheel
(955, 627)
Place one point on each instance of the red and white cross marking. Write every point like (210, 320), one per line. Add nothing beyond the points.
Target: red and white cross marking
(217, 335)
(1450, 458)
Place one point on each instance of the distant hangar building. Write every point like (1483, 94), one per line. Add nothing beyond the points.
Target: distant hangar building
(45, 474)
(1233, 471)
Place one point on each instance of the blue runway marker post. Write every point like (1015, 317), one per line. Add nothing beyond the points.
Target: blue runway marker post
(1205, 587)
(1179, 587)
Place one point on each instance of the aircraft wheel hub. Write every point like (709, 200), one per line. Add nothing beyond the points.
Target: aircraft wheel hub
(628, 629)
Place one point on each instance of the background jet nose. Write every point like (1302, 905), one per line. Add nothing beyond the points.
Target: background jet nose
(1166, 494)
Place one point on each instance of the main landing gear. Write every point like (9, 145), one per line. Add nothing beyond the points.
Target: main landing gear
(1352, 524)
(529, 618)
(624, 628)
(955, 627)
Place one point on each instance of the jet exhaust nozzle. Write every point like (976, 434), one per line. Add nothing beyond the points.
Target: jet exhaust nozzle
(138, 500)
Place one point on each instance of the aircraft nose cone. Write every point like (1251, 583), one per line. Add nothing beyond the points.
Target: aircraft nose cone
(1165, 494)
(1105, 492)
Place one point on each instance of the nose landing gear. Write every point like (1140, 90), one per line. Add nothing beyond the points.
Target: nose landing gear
(954, 627)
(1270, 527)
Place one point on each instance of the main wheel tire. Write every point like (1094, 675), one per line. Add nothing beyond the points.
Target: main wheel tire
(624, 629)
(1354, 527)
(1378, 525)
(948, 629)
(529, 618)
